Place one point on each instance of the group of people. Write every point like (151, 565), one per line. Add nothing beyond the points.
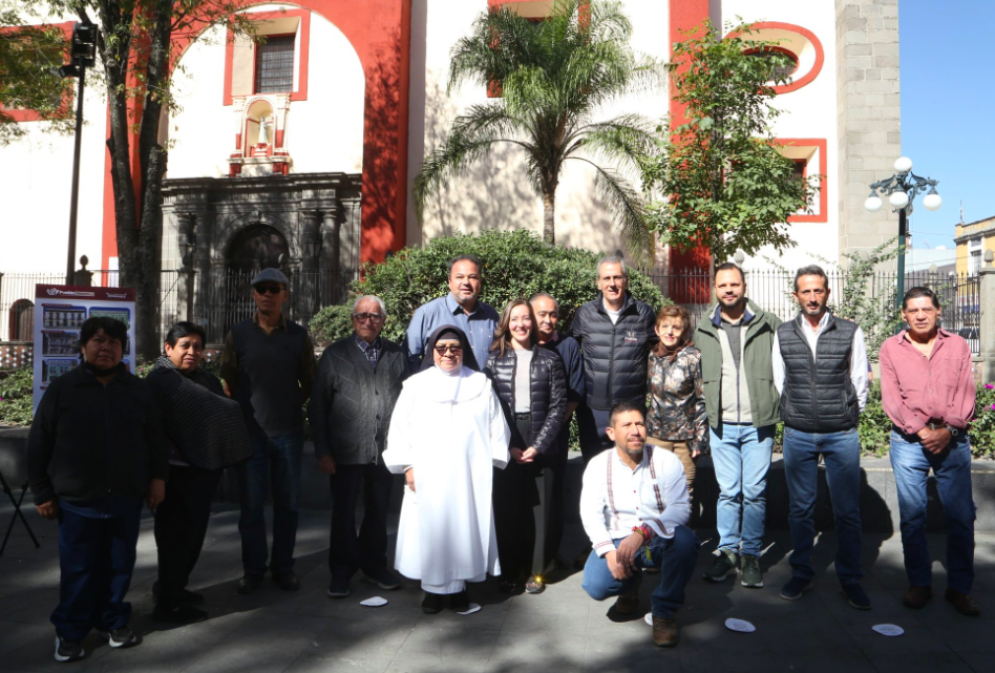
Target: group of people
(474, 408)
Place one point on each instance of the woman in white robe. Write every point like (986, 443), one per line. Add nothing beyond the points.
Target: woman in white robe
(446, 432)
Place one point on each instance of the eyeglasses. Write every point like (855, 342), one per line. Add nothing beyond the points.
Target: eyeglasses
(268, 289)
(363, 317)
(455, 350)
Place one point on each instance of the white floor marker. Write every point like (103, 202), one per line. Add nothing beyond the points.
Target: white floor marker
(740, 625)
(888, 629)
(375, 602)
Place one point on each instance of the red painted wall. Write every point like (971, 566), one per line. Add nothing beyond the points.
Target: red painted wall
(380, 32)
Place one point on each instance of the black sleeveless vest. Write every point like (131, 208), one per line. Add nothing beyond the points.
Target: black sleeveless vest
(818, 395)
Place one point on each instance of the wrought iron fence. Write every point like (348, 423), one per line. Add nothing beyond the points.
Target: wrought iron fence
(17, 301)
(868, 299)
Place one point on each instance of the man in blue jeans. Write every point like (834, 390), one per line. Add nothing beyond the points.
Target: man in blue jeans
(634, 506)
(820, 369)
(268, 365)
(928, 391)
(742, 407)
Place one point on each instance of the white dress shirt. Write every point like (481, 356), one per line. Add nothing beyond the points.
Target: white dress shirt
(616, 498)
(858, 358)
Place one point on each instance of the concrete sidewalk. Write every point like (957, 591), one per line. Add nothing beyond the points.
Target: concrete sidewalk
(559, 630)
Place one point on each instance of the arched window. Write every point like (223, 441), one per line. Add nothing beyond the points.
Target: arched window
(22, 320)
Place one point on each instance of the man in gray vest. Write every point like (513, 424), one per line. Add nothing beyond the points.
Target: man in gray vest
(359, 379)
(742, 407)
(820, 369)
(268, 365)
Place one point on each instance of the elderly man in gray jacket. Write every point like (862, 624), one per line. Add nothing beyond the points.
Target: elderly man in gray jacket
(357, 384)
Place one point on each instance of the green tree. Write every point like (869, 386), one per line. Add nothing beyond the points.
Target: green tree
(554, 75)
(30, 56)
(516, 264)
(137, 52)
(723, 182)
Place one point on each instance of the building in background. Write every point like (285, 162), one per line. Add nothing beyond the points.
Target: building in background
(301, 152)
(972, 240)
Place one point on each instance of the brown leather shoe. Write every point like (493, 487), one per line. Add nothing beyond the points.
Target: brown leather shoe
(916, 597)
(665, 632)
(963, 603)
(628, 603)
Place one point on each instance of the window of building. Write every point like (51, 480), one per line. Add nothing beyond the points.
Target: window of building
(781, 71)
(974, 250)
(275, 64)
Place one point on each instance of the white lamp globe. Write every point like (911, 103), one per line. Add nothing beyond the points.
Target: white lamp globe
(932, 201)
(873, 203)
(903, 164)
(899, 200)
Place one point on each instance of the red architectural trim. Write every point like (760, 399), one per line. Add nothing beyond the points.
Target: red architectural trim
(686, 15)
(380, 32)
(787, 52)
(821, 145)
(820, 53)
(304, 48)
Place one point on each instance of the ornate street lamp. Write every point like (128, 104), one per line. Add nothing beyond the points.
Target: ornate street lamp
(82, 54)
(901, 189)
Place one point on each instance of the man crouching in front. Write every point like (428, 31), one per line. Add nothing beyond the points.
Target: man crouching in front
(634, 506)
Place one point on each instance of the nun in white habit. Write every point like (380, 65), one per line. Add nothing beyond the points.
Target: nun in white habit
(446, 432)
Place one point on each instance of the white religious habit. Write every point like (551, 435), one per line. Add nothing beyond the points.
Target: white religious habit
(615, 498)
(449, 428)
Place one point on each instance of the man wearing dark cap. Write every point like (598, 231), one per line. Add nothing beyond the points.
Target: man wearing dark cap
(268, 365)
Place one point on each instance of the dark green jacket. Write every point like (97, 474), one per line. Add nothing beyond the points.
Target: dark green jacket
(764, 400)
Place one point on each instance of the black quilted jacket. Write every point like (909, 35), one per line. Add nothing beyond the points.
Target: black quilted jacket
(549, 392)
(615, 355)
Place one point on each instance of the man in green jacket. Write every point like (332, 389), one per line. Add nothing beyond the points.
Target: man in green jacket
(742, 405)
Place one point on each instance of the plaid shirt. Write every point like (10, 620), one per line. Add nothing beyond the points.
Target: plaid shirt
(372, 350)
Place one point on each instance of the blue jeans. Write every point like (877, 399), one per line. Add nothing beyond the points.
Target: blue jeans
(841, 453)
(676, 557)
(741, 456)
(277, 459)
(952, 469)
(97, 558)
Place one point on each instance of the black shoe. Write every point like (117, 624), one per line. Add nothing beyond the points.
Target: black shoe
(432, 603)
(507, 586)
(581, 559)
(287, 581)
(183, 614)
(459, 602)
(68, 650)
(794, 589)
(384, 579)
(856, 597)
(186, 597)
(339, 588)
(122, 637)
(249, 583)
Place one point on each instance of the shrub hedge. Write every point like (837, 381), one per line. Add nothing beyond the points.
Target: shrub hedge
(516, 264)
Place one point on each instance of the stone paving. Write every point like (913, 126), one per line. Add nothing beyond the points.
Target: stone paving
(559, 630)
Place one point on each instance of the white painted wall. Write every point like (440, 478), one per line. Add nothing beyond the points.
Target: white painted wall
(323, 134)
(496, 194)
(35, 184)
(810, 112)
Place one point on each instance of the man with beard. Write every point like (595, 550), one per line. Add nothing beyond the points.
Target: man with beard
(820, 369)
(634, 507)
(742, 407)
(461, 307)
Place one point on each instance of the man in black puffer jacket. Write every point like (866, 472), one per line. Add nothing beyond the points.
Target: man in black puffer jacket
(615, 332)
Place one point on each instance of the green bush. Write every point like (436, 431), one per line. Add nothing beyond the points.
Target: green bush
(982, 430)
(516, 264)
(15, 397)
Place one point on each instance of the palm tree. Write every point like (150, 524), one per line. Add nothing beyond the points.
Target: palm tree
(553, 76)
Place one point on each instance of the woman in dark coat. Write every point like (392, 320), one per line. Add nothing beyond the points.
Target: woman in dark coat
(96, 452)
(531, 384)
(206, 433)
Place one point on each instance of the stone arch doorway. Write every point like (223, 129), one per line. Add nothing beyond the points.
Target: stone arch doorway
(257, 247)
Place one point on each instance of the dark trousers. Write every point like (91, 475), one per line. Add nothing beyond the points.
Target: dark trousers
(97, 558)
(366, 551)
(514, 496)
(180, 526)
(275, 460)
(556, 472)
(675, 557)
(592, 424)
